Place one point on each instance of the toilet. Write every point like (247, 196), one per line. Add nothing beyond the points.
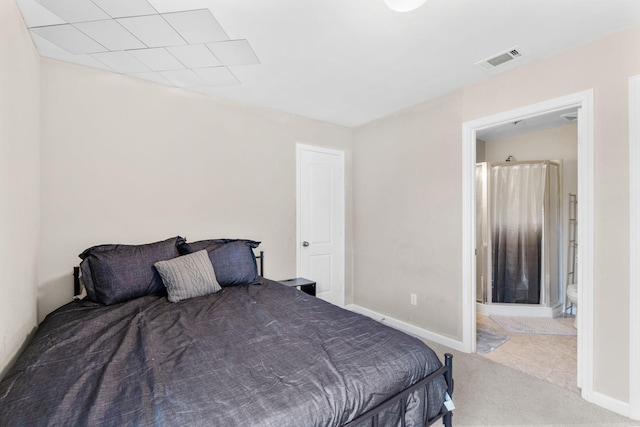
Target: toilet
(572, 295)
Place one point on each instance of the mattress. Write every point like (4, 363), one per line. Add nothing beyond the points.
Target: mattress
(263, 354)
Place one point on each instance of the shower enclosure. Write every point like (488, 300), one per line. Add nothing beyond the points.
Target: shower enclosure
(518, 241)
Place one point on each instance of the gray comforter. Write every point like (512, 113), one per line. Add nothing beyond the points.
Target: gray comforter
(264, 355)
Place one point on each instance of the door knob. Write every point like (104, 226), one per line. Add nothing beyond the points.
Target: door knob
(305, 244)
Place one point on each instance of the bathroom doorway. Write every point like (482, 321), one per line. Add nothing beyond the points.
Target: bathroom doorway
(526, 175)
(583, 103)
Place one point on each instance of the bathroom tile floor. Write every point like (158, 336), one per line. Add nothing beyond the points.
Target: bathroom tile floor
(552, 358)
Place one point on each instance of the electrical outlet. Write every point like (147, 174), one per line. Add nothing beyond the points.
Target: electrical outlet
(414, 299)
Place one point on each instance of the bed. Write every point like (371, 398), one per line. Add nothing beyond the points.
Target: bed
(252, 352)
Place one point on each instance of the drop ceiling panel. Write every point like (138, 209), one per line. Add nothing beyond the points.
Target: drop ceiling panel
(124, 8)
(195, 56)
(157, 59)
(151, 76)
(75, 10)
(110, 34)
(152, 30)
(69, 38)
(301, 44)
(182, 78)
(121, 62)
(36, 15)
(234, 52)
(217, 76)
(50, 50)
(196, 26)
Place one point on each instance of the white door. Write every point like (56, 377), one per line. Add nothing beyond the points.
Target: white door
(320, 237)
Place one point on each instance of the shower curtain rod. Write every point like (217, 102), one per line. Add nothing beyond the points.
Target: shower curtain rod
(523, 162)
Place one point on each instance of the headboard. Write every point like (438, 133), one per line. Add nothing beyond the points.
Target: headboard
(76, 273)
(261, 263)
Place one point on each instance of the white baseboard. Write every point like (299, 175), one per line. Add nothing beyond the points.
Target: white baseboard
(607, 402)
(596, 398)
(407, 327)
(528, 310)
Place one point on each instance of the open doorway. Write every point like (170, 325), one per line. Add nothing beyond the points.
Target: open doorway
(526, 192)
(583, 103)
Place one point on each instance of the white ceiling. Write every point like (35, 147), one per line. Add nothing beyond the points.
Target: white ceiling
(540, 122)
(341, 61)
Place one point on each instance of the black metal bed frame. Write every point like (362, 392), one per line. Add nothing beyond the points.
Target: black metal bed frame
(445, 415)
(372, 414)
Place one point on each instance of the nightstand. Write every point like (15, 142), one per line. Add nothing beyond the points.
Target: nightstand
(305, 285)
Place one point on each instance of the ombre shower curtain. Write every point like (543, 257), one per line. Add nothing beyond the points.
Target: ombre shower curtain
(517, 197)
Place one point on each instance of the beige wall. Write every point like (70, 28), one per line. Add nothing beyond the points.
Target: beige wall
(407, 196)
(130, 161)
(19, 182)
(407, 215)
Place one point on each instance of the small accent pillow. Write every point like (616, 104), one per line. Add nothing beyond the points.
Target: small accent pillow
(188, 276)
(233, 259)
(116, 273)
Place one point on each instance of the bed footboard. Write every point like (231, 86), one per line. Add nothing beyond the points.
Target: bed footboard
(445, 415)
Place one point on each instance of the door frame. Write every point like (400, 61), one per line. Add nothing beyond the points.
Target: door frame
(634, 246)
(584, 101)
(300, 147)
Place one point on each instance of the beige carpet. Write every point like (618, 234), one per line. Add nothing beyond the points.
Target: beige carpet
(552, 358)
(490, 394)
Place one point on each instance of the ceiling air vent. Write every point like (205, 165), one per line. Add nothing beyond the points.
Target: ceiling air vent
(499, 59)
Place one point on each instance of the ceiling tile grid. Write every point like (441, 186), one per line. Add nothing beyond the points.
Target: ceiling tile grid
(343, 62)
(110, 34)
(73, 11)
(182, 78)
(151, 76)
(217, 76)
(121, 62)
(69, 38)
(195, 56)
(234, 52)
(125, 8)
(186, 48)
(196, 26)
(158, 59)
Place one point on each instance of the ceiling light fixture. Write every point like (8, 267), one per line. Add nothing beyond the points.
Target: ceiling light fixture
(404, 5)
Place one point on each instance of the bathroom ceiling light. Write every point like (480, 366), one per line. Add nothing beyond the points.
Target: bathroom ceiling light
(404, 5)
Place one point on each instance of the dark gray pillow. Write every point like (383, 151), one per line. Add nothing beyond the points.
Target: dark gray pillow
(233, 260)
(188, 276)
(116, 273)
(211, 244)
